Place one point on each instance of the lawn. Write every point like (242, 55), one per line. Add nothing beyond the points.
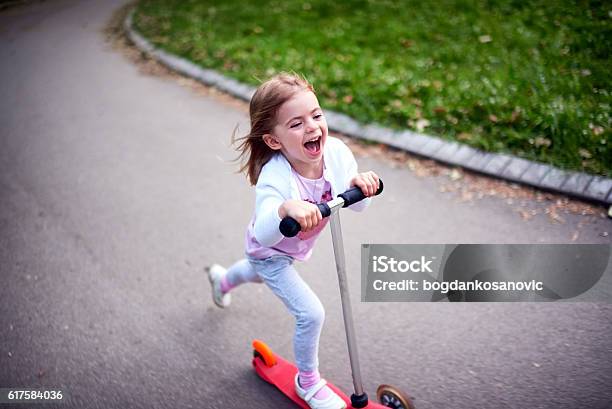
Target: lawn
(528, 78)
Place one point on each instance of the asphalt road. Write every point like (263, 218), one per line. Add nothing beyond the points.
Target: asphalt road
(115, 191)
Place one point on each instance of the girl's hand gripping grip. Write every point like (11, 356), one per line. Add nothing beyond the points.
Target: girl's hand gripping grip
(354, 194)
(289, 227)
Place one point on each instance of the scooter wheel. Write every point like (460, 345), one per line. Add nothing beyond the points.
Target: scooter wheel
(392, 397)
(262, 351)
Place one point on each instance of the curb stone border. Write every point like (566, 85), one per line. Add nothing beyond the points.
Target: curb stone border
(502, 166)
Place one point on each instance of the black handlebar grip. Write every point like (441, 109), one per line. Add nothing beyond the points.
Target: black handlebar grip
(289, 227)
(380, 187)
(354, 194)
(324, 209)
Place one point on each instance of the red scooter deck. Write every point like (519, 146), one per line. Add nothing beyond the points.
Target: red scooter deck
(282, 375)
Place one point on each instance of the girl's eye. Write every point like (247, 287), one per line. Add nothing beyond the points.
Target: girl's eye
(318, 116)
(295, 125)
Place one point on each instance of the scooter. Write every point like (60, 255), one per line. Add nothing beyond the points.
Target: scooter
(281, 373)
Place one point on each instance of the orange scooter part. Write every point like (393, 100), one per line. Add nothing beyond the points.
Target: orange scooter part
(265, 352)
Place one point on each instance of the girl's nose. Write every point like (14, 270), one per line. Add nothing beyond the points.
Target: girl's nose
(311, 126)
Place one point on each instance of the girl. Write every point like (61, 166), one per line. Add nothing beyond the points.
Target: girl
(293, 164)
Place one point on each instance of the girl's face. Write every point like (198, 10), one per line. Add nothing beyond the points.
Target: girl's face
(300, 134)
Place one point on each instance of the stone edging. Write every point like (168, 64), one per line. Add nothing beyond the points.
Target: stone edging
(578, 184)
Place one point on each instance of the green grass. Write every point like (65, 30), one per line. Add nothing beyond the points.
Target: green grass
(529, 78)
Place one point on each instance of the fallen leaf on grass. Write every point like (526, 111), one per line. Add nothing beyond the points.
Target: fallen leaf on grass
(421, 124)
(406, 42)
(584, 153)
(439, 110)
(597, 130)
(540, 141)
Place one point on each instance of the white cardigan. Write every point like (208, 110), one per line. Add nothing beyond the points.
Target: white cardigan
(276, 185)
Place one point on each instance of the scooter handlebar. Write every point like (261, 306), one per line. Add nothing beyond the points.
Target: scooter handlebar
(289, 227)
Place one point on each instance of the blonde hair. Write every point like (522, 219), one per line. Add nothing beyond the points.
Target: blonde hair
(265, 103)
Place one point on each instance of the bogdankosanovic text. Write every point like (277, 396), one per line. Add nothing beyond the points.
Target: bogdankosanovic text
(456, 285)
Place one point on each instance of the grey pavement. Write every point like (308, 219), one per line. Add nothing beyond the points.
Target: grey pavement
(116, 189)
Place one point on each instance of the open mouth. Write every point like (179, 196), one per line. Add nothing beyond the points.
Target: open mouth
(313, 146)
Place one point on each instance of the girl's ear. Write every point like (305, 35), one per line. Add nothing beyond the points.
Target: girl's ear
(272, 142)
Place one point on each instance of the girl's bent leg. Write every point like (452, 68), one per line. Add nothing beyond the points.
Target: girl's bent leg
(239, 273)
(280, 276)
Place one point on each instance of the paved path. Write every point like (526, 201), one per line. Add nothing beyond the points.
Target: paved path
(115, 192)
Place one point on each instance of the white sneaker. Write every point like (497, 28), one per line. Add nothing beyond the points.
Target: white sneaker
(215, 275)
(333, 401)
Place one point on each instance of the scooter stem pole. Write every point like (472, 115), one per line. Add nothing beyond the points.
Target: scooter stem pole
(346, 302)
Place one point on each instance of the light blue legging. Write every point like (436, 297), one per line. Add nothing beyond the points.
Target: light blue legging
(284, 281)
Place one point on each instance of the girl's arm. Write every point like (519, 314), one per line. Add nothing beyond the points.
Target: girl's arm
(271, 209)
(268, 200)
